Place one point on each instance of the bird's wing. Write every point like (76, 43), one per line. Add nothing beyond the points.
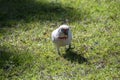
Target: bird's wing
(54, 35)
(70, 34)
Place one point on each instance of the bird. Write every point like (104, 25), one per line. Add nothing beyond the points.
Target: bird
(62, 36)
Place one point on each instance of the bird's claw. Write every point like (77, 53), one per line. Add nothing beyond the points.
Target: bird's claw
(70, 48)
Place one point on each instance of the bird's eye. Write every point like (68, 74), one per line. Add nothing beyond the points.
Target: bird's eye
(64, 30)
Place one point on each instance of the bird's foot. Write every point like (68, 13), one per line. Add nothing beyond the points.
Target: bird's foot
(70, 48)
(59, 53)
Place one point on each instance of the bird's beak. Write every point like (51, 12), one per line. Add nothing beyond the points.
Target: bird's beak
(66, 32)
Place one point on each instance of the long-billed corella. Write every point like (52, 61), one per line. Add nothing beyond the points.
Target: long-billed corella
(62, 36)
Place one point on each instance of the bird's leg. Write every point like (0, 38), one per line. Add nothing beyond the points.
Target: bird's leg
(69, 46)
(58, 50)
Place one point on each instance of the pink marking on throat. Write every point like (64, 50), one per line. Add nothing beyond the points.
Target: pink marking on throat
(62, 37)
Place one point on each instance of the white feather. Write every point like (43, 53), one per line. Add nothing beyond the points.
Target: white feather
(61, 42)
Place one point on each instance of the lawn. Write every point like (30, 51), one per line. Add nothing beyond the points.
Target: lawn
(27, 52)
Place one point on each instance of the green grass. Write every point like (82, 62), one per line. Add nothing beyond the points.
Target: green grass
(27, 52)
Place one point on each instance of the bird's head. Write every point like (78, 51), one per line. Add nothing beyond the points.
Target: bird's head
(64, 29)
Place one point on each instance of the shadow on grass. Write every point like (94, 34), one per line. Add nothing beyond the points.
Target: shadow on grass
(13, 11)
(11, 59)
(5, 59)
(73, 56)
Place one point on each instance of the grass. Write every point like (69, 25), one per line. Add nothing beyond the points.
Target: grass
(26, 50)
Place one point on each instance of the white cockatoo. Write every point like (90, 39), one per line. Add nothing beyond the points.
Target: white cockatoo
(62, 36)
